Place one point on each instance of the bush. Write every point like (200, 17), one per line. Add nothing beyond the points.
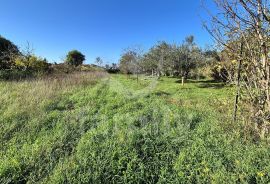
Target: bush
(31, 63)
(26, 67)
(113, 70)
(225, 69)
(15, 74)
(220, 73)
(90, 68)
(199, 73)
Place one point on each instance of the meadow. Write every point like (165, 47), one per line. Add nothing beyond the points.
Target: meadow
(101, 128)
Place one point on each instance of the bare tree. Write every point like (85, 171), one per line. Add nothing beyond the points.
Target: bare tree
(99, 61)
(246, 24)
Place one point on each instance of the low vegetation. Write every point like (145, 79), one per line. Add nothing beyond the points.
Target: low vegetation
(101, 128)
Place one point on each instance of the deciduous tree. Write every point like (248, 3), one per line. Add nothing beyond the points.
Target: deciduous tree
(75, 58)
(246, 23)
(8, 51)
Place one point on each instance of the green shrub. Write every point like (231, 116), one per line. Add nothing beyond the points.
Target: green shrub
(15, 74)
(220, 73)
(224, 71)
(32, 62)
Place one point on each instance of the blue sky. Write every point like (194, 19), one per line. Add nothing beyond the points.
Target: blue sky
(99, 27)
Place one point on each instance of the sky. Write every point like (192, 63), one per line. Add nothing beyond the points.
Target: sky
(99, 28)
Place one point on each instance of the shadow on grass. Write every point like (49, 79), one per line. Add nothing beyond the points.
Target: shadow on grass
(162, 93)
(204, 83)
(212, 85)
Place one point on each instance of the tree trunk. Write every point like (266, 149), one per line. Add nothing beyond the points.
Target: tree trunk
(238, 85)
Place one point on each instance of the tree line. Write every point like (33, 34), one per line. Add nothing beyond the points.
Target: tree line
(165, 59)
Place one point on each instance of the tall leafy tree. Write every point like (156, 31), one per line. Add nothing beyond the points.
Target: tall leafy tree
(172, 59)
(158, 59)
(75, 58)
(8, 51)
(130, 62)
(190, 54)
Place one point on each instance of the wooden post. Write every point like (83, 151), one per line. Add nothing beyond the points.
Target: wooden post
(183, 80)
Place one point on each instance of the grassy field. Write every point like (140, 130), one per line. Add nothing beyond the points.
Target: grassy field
(98, 128)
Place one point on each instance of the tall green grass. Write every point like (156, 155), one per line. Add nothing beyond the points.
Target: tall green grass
(104, 129)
